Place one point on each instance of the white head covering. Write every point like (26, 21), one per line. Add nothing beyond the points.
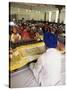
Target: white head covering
(12, 23)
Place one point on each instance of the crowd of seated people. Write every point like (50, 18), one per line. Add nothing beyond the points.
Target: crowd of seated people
(23, 34)
(28, 32)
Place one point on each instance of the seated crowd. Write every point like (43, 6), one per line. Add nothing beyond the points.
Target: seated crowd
(28, 32)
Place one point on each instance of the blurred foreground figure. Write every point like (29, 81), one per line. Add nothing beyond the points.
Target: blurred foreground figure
(47, 69)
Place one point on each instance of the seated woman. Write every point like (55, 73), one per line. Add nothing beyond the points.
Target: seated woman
(37, 36)
(26, 35)
(15, 37)
(32, 34)
(47, 70)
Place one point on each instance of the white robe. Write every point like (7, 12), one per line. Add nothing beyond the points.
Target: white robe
(47, 70)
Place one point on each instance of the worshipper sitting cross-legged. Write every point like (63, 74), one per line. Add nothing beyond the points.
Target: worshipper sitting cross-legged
(37, 36)
(15, 38)
(47, 69)
(25, 35)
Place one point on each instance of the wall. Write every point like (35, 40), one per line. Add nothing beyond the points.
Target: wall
(36, 14)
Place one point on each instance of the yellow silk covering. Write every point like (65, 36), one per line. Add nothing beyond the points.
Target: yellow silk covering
(24, 54)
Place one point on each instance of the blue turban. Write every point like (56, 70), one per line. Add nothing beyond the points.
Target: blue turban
(50, 40)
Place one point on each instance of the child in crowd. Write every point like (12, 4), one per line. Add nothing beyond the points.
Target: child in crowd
(37, 36)
(25, 35)
(15, 37)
